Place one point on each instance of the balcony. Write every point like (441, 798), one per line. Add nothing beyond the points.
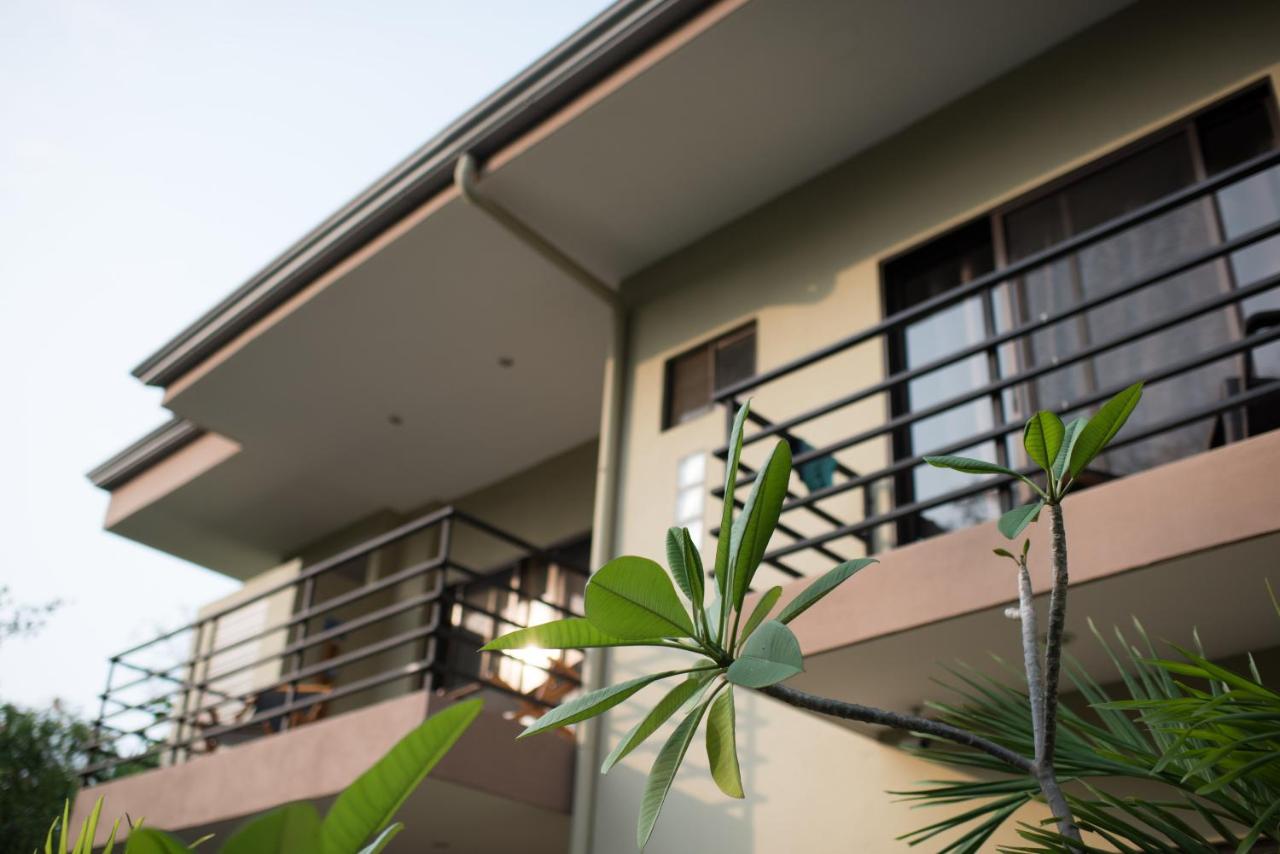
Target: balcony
(1179, 292)
(400, 615)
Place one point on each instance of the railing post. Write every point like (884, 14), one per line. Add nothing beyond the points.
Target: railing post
(186, 727)
(430, 649)
(94, 750)
(291, 690)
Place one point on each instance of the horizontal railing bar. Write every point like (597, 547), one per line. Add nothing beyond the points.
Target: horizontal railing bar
(1100, 232)
(1223, 299)
(334, 663)
(533, 550)
(484, 580)
(771, 429)
(310, 572)
(1198, 414)
(1205, 256)
(338, 693)
(399, 577)
(1168, 372)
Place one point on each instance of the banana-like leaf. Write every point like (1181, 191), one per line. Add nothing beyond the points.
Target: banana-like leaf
(821, 586)
(572, 633)
(722, 745)
(369, 804)
(1042, 437)
(676, 563)
(730, 485)
(292, 827)
(1103, 427)
(592, 704)
(769, 656)
(383, 840)
(149, 841)
(968, 465)
(658, 715)
(755, 524)
(664, 771)
(759, 612)
(1014, 522)
(632, 598)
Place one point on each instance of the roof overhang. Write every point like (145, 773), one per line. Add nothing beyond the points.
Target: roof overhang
(653, 126)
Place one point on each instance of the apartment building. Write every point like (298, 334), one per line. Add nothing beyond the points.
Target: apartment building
(899, 227)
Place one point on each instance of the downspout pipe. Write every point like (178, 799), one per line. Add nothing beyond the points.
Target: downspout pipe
(605, 509)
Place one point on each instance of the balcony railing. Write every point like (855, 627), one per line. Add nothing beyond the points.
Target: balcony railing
(867, 488)
(404, 611)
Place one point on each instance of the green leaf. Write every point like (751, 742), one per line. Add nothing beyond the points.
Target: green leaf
(148, 841)
(697, 575)
(730, 484)
(769, 656)
(968, 465)
(369, 804)
(713, 619)
(292, 827)
(761, 610)
(1016, 520)
(1071, 434)
(658, 715)
(823, 585)
(1042, 437)
(686, 566)
(591, 704)
(88, 830)
(384, 839)
(1103, 427)
(573, 633)
(632, 598)
(664, 771)
(722, 745)
(754, 525)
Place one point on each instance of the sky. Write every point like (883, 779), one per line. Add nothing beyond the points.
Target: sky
(153, 156)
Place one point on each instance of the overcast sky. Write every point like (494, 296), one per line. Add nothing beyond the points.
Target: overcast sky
(154, 155)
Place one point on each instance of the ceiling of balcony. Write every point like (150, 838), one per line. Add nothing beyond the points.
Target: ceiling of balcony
(683, 141)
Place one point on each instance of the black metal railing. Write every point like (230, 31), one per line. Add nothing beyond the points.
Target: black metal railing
(861, 503)
(404, 611)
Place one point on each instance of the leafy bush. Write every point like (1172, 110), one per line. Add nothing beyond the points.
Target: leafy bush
(361, 816)
(1207, 737)
(40, 755)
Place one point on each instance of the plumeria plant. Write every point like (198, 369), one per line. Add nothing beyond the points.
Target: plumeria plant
(633, 602)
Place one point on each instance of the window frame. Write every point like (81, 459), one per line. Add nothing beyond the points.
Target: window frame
(708, 348)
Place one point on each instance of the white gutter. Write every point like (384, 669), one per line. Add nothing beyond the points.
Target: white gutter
(605, 510)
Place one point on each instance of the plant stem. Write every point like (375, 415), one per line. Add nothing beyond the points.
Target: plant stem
(894, 720)
(1031, 656)
(1045, 775)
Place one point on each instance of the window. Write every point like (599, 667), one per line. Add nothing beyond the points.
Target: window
(691, 481)
(1216, 139)
(693, 377)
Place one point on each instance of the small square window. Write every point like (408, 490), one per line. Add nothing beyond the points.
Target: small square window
(693, 377)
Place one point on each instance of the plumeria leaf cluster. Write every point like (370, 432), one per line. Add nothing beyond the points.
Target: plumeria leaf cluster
(1062, 451)
(635, 602)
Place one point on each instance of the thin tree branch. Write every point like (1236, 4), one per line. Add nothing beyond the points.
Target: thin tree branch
(1045, 773)
(1057, 623)
(894, 720)
(1031, 655)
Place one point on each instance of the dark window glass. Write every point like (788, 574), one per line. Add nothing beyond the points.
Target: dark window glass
(937, 267)
(692, 378)
(1090, 345)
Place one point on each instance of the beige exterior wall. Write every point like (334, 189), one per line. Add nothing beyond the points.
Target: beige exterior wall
(805, 268)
